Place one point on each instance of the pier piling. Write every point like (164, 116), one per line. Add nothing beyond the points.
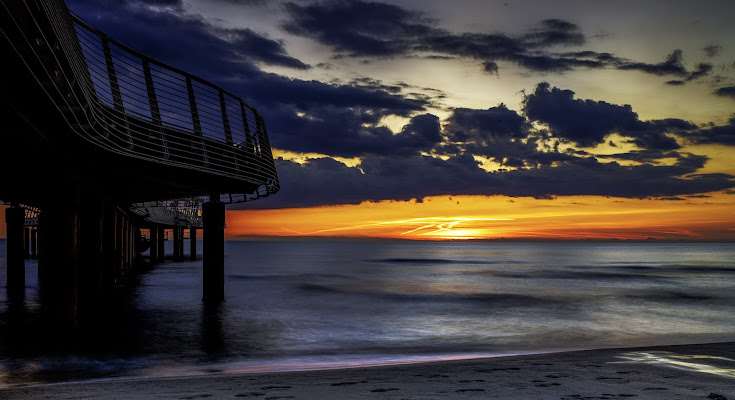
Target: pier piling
(193, 243)
(213, 215)
(15, 233)
(58, 264)
(153, 237)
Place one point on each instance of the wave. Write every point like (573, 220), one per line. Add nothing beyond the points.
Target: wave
(444, 296)
(442, 261)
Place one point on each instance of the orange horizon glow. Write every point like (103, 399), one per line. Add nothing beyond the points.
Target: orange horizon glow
(498, 217)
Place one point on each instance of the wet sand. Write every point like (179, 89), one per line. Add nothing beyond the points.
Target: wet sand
(673, 372)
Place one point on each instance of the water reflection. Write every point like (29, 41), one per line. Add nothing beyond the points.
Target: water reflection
(213, 333)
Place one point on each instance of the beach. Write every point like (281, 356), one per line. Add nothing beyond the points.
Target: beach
(705, 371)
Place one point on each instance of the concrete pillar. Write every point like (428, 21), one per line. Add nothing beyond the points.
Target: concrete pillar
(213, 214)
(133, 249)
(177, 243)
(16, 268)
(119, 245)
(59, 257)
(181, 243)
(193, 243)
(109, 246)
(26, 241)
(161, 242)
(153, 240)
(34, 243)
(91, 261)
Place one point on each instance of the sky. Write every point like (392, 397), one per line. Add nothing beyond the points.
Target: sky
(468, 119)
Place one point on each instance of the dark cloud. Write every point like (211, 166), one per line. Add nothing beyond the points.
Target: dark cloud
(672, 66)
(369, 29)
(358, 28)
(723, 134)
(727, 91)
(553, 32)
(588, 122)
(173, 36)
(712, 50)
(348, 132)
(497, 133)
(491, 67)
(326, 181)
(675, 82)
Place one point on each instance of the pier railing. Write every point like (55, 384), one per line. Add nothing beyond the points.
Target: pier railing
(131, 104)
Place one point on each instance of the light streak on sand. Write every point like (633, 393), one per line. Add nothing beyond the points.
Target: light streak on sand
(666, 359)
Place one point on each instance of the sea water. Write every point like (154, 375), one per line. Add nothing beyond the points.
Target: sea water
(316, 305)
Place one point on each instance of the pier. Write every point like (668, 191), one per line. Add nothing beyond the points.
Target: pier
(106, 153)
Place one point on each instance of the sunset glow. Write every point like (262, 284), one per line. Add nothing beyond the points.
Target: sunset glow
(480, 217)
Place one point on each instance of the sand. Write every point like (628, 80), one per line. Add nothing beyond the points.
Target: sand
(673, 372)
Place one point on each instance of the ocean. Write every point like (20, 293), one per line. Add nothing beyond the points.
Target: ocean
(318, 305)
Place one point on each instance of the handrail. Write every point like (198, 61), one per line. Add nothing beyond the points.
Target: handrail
(130, 104)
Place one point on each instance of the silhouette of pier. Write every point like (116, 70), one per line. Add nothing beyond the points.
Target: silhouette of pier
(104, 149)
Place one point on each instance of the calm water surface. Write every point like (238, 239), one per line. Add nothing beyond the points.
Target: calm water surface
(304, 305)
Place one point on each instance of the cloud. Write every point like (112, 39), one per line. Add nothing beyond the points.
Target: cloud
(588, 122)
(349, 132)
(329, 182)
(723, 134)
(727, 91)
(358, 28)
(672, 66)
(712, 50)
(370, 29)
(173, 35)
(497, 133)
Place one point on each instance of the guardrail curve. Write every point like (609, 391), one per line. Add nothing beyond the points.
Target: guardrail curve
(127, 103)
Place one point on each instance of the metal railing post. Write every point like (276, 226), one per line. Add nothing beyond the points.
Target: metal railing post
(225, 119)
(193, 107)
(152, 101)
(112, 76)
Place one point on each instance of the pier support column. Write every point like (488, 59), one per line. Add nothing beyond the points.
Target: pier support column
(161, 242)
(181, 243)
(58, 264)
(16, 269)
(193, 243)
(91, 261)
(213, 214)
(153, 237)
(109, 246)
(177, 243)
(26, 241)
(34, 243)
